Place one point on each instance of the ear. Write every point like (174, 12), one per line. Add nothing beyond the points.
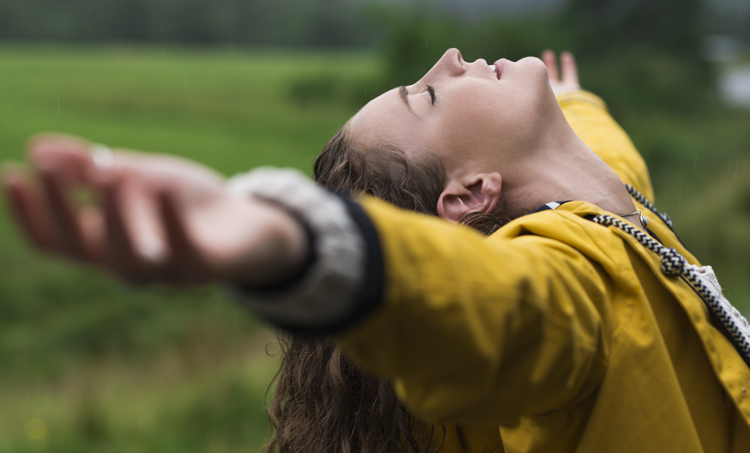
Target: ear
(479, 193)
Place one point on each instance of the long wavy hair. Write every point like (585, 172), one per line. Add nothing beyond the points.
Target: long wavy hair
(323, 403)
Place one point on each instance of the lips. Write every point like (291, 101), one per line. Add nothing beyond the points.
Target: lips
(499, 65)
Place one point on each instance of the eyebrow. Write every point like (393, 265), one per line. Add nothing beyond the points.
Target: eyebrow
(405, 97)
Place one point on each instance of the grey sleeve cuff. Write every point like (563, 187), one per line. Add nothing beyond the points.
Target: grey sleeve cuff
(328, 290)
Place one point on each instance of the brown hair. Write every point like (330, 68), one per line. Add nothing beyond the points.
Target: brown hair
(323, 403)
(386, 173)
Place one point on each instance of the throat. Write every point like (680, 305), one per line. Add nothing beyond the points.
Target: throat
(580, 176)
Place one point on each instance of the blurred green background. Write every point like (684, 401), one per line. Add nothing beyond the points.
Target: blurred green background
(89, 365)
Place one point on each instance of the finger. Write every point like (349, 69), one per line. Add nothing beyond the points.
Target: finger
(67, 156)
(64, 218)
(26, 206)
(120, 254)
(569, 69)
(136, 231)
(185, 265)
(91, 224)
(550, 60)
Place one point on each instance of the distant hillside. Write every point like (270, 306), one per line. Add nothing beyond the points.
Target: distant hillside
(522, 7)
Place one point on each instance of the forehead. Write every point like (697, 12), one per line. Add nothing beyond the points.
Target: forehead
(386, 120)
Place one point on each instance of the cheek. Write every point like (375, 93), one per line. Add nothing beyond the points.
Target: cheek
(488, 118)
(496, 119)
(464, 134)
(504, 127)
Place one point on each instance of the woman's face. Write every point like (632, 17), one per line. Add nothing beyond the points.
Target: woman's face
(468, 114)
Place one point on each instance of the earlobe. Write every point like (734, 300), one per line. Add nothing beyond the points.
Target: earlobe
(479, 193)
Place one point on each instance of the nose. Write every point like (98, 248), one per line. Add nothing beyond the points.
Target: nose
(451, 64)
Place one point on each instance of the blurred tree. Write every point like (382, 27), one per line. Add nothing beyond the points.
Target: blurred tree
(646, 53)
(417, 40)
(129, 21)
(194, 22)
(603, 26)
(258, 23)
(5, 16)
(329, 23)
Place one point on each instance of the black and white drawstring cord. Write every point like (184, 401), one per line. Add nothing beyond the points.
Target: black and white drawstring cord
(647, 204)
(675, 265)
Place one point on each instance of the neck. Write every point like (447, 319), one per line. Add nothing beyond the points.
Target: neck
(562, 167)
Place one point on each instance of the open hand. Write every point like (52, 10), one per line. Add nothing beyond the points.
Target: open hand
(569, 80)
(158, 218)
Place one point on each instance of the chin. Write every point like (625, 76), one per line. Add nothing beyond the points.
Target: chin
(535, 70)
(533, 63)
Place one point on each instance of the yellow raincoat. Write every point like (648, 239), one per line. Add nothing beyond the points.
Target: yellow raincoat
(555, 334)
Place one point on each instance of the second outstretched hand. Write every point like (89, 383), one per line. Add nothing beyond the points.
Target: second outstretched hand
(563, 81)
(158, 218)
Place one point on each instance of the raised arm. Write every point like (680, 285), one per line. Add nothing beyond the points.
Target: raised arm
(590, 119)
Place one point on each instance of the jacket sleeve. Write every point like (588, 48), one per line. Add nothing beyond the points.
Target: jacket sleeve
(588, 116)
(477, 329)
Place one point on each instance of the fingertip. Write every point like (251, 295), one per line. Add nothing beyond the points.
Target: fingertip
(40, 137)
(11, 180)
(9, 173)
(41, 142)
(10, 192)
(48, 145)
(19, 204)
(49, 136)
(9, 183)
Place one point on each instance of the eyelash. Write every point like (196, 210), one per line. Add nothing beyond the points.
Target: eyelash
(432, 92)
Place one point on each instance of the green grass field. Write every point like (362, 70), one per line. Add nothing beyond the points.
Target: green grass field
(88, 365)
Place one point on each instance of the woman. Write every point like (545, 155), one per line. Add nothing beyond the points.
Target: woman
(570, 329)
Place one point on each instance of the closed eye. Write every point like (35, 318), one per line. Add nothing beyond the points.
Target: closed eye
(432, 93)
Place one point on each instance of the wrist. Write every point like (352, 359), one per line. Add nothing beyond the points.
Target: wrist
(287, 253)
(327, 292)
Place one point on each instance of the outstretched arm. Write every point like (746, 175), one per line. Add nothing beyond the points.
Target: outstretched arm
(590, 119)
(160, 219)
